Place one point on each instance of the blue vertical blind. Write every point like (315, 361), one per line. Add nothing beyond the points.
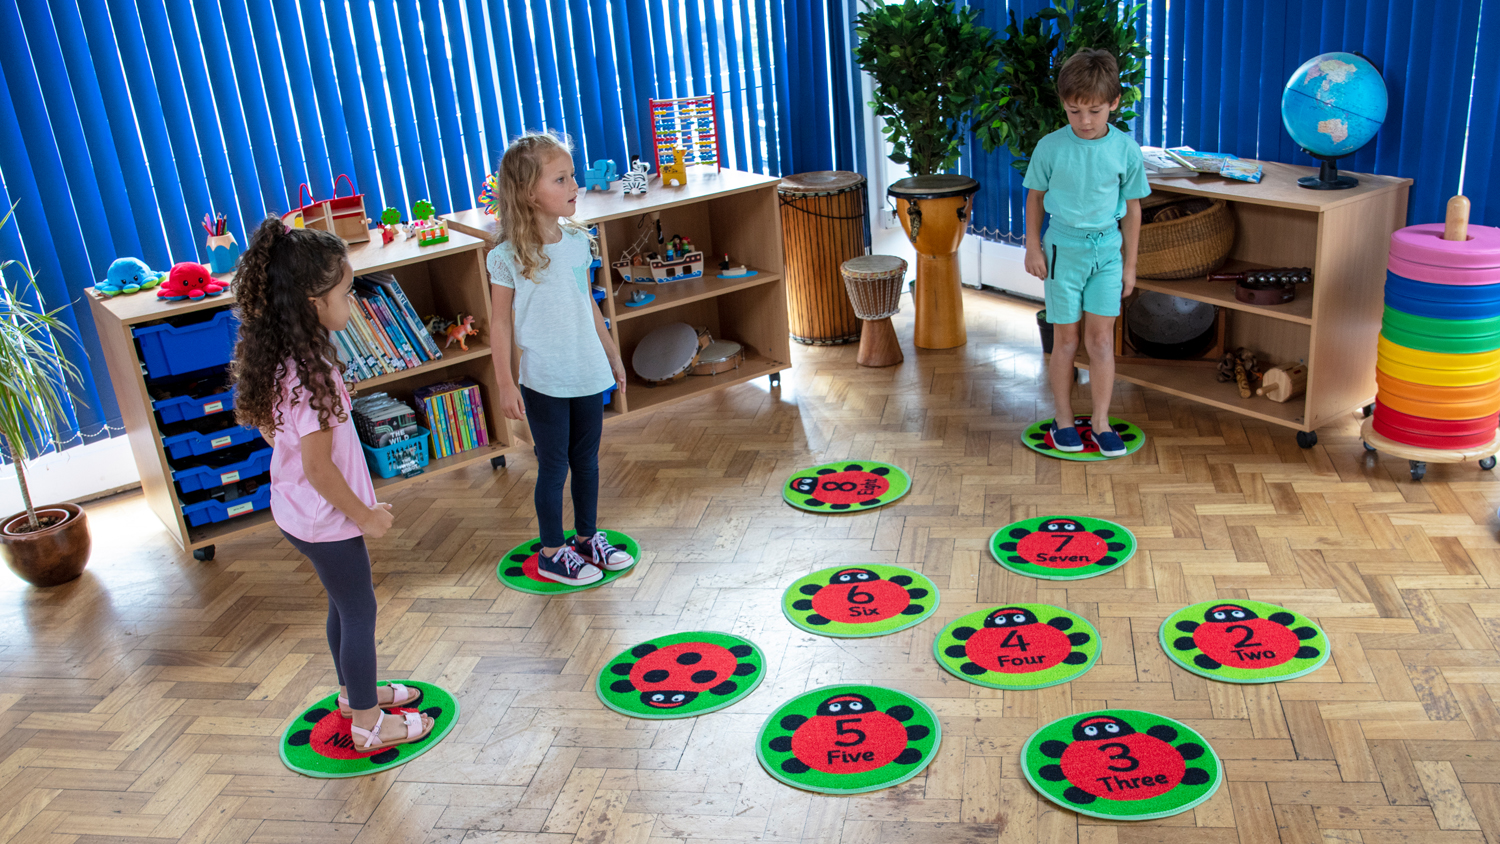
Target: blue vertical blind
(1217, 69)
(123, 122)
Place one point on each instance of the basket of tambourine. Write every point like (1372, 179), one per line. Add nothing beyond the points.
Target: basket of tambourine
(1183, 236)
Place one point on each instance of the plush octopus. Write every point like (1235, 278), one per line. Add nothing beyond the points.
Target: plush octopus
(128, 275)
(188, 280)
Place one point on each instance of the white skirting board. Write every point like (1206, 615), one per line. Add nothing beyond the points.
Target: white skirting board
(78, 474)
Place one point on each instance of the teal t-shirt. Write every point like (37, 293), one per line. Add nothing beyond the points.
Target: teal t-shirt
(1087, 182)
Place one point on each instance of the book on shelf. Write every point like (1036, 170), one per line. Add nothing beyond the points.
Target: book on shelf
(1160, 163)
(454, 412)
(384, 334)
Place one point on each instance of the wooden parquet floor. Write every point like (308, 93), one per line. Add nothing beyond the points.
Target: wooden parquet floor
(142, 703)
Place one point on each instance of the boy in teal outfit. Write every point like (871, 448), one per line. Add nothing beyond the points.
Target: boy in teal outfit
(1090, 177)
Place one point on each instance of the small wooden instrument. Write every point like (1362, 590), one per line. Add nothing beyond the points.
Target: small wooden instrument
(1266, 287)
(1281, 383)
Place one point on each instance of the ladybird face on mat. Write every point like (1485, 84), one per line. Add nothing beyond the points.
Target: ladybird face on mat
(848, 734)
(841, 489)
(1108, 759)
(1236, 636)
(853, 576)
(1061, 542)
(1228, 614)
(860, 596)
(676, 675)
(1012, 641)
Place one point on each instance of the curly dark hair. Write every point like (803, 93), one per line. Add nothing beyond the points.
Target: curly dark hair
(279, 272)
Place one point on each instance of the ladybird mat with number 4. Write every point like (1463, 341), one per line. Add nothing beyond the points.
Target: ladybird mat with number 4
(681, 675)
(1017, 646)
(1121, 764)
(1244, 641)
(1062, 547)
(845, 486)
(318, 743)
(848, 739)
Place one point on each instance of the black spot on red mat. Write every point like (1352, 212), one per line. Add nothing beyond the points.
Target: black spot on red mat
(848, 735)
(1107, 758)
(675, 675)
(859, 596)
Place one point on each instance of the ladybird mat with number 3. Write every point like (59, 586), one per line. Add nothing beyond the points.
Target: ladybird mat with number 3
(846, 486)
(681, 675)
(517, 569)
(848, 739)
(1121, 764)
(852, 602)
(1062, 547)
(318, 743)
(1017, 646)
(1243, 641)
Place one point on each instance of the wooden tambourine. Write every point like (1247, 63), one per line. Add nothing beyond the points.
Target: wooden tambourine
(667, 353)
(718, 356)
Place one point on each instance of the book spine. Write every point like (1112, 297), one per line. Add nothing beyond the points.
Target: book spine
(355, 335)
(377, 334)
(392, 332)
(477, 409)
(398, 317)
(456, 421)
(442, 411)
(435, 425)
(460, 399)
(418, 327)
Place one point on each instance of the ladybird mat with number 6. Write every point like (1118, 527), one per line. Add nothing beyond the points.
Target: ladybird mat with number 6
(1062, 547)
(1121, 764)
(1244, 641)
(852, 602)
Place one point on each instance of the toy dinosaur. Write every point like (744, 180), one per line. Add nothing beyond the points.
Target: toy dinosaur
(461, 329)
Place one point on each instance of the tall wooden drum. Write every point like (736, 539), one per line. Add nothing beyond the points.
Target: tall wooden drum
(822, 226)
(934, 210)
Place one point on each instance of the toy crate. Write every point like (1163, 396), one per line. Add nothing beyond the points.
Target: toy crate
(183, 408)
(407, 457)
(219, 473)
(214, 510)
(194, 443)
(174, 349)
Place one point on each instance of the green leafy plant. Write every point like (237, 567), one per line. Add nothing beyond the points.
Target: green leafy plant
(34, 374)
(935, 72)
(1027, 107)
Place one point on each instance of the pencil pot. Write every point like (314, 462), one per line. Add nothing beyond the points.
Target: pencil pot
(223, 252)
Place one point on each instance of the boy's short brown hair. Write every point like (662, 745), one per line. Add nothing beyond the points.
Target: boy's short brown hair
(1089, 77)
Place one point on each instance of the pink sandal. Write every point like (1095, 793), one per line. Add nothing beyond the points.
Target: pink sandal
(400, 696)
(414, 731)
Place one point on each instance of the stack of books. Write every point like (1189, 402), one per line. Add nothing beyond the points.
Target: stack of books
(384, 334)
(454, 412)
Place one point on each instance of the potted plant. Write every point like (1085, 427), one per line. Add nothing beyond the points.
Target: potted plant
(50, 544)
(1027, 108)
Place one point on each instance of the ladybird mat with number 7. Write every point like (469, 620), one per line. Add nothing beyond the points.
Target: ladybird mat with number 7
(1062, 547)
(1242, 641)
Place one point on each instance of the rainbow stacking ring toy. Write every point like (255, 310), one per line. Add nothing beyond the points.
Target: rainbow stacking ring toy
(1438, 361)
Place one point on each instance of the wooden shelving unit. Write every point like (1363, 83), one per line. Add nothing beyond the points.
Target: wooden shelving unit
(1331, 325)
(445, 279)
(728, 212)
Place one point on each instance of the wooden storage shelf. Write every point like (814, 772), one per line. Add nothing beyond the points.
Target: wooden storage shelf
(444, 279)
(728, 212)
(1344, 236)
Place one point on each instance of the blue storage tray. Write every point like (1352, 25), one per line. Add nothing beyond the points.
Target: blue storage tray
(183, 408)
(208, 477)
(170, 350)
(608, 394)
(207, 512)
(390, 461)
(193, 443)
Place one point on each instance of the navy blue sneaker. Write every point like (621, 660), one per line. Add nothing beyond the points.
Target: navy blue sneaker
(567, 567)
(1066, 439)
(1110, 444)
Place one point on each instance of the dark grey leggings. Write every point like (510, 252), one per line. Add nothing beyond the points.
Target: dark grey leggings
(344, 568)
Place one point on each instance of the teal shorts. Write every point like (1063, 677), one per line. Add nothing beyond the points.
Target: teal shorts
(1084, 273)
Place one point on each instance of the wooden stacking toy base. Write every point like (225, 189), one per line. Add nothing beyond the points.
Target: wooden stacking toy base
(939, 303)
(878, 345)
(1420, 457)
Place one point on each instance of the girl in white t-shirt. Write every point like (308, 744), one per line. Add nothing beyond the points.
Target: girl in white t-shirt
(292, 288)
(542, 298)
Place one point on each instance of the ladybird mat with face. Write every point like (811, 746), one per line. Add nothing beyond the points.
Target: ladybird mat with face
(1121, 764)
(852, 602)
(517, 569)
(681, 675)
(1062, 547)
(848, 739)
(318, 742)
(1244, 641)
(1037, 439)
(1017, 646)
(846, 486)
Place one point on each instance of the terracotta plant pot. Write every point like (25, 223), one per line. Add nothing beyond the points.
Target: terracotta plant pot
(52, 555)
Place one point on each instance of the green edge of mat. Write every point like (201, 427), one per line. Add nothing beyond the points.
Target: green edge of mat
(939, 645)
(898, 473)
(438, 733)
(1210, 753)
(531, 587)
(1043, 573)
(1081, 457)
(936, 738)
(1187, 664)
(786, 610)
(738, 696)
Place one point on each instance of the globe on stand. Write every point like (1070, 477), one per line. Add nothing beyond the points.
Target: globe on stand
(1333, 105)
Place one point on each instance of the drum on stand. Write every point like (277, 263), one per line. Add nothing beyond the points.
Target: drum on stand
(934, 210)
(822, 226)
(874, 285)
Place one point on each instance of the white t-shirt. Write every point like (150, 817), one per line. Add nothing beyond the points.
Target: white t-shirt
(561, 355)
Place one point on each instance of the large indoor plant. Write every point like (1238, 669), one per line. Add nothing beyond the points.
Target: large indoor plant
(49, 544)
(1026, 106)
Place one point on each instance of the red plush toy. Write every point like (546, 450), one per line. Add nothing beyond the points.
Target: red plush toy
(188, 280)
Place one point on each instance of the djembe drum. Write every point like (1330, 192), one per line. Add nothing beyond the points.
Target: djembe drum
(822, 226)
(874, 285)
(934, 210)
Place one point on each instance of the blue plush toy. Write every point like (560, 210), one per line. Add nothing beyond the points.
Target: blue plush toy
(128, 275)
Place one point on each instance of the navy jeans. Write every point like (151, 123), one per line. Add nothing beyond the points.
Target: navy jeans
(344, 568)
(566, 432)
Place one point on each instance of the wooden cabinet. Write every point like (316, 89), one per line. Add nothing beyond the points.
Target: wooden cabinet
(1332, 325)
(728, 212)
(445, 279)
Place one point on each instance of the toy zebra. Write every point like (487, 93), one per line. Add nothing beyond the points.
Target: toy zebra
(635, 180)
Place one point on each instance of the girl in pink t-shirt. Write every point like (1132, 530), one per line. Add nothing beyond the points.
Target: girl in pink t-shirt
(291, 289)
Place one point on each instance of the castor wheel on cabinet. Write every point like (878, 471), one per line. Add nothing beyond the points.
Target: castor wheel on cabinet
(1367, 446)
(775, 379)
(205, 553)
(1368, 410)
(497, 462)
(1487, 463)
(1418, 469)
(1307, 439)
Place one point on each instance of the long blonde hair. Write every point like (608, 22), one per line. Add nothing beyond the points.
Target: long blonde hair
(520, 169)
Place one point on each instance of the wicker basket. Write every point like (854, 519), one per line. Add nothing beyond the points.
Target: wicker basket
(1187, 247)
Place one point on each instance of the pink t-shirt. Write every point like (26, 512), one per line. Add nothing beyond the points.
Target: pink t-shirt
(298, 508)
